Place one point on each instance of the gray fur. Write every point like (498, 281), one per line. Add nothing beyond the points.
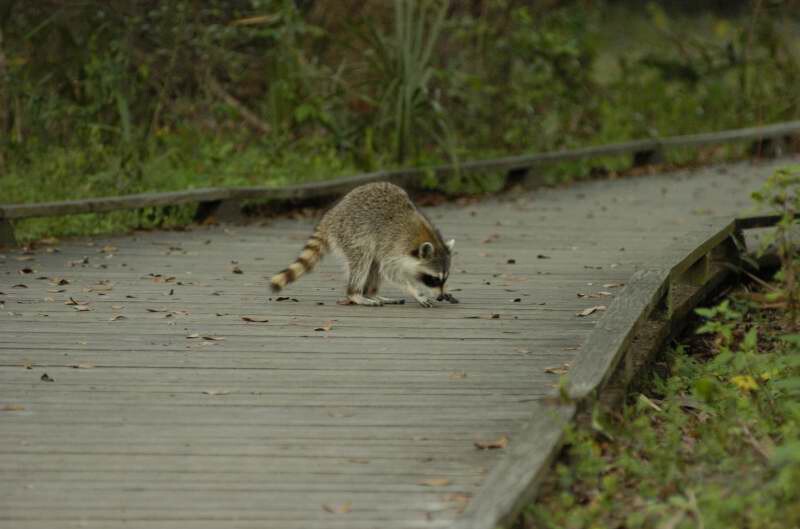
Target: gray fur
(380, 234)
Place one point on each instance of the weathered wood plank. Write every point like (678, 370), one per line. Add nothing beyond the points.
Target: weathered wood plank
(158, 430)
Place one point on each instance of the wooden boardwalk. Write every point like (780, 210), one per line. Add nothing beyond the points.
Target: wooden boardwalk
(147, 400)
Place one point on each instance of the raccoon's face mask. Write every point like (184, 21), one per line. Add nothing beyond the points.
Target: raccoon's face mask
(434, 266)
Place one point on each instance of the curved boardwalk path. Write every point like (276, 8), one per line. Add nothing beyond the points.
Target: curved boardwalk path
(152, 403)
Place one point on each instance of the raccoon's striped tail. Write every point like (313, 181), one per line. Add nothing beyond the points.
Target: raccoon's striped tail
(313, 251)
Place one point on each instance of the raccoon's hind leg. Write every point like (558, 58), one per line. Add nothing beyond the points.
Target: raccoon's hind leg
(374, 284)
(360, 283)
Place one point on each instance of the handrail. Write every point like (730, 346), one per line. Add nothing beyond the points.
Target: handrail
(408, 177)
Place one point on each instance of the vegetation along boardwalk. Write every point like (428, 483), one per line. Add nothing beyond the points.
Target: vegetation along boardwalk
(147, 380)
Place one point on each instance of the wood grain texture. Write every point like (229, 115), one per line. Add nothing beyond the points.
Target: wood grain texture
(141, 422)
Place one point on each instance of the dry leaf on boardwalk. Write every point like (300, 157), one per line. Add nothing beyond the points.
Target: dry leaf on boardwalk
(149, 309)
(457, 375)
(83, 366)
(338, 508)
(613, 285)
(459, 499)
(326, 327)
(82, 308)
(255, 319)
(435, 482)
(557, 370)
(117, 317)
(12, 407)
(46, 378)
(591, 310)
(214, 392)
(500, 442)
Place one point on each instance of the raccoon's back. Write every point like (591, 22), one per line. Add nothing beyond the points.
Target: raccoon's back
(378, 211)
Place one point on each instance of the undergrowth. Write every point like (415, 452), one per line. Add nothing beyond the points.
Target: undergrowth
(716, 442)
(115, 97)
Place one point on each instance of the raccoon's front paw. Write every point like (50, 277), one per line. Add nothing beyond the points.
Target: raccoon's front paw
(424, 301)
(447, 297)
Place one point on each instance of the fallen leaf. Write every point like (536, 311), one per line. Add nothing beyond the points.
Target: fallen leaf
(117, 317)
(236, 270)
(12, 407)
(46, 378)
(83, 366)
(82, 308)
(59, 281)
(24, 258)
(108, 249)
(26, 270)
(156, 310)
(613, 285)
(542, 256)
(78, 262)
(461, 500)
(326, 327)
(338, 508)
(72, 301)
(214, 392)
(457, 375)
(192, 336)
(255, 319)
(213, 338)
(500, 442)
(591, 310)
(435, 482)
(286, 298)
(557, 370)
(511, 261)
(20, 285)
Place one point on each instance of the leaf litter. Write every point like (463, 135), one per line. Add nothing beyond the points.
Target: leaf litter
(497, 444)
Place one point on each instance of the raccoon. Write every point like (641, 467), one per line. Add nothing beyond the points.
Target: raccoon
(379, 234)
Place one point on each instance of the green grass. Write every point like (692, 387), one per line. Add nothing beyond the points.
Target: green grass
(91, 119)
(714, 444)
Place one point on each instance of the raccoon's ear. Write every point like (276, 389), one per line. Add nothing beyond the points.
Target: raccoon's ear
(425, 250)
(450, 244)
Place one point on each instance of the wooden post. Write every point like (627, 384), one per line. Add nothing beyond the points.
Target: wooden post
(648, 157)
(229, 210)
(7, 233)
